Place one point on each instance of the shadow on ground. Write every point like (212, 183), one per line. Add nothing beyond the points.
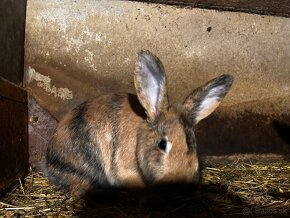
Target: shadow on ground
(204, 201)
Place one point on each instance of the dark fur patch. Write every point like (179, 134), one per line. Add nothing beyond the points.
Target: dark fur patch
(84, 147)
(191, 143)
(55, 175)
(60, 168)
(136, 106)
(189, 133)
(190, 140)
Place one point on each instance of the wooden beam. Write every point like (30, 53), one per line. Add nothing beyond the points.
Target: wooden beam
(12, 32)
(13, 134)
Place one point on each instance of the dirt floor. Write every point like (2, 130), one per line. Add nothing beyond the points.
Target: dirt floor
(232, 190)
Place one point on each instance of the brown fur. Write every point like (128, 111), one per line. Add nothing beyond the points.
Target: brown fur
(125, 157)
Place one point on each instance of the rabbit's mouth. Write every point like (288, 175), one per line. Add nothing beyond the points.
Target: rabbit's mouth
(184, 180)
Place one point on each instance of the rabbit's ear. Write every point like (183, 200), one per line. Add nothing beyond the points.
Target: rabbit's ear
(205, 99)
(150, 84)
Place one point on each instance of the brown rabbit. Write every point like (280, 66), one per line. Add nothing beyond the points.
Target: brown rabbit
(123, 140)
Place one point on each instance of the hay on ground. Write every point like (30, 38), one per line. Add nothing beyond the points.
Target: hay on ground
(238, 189)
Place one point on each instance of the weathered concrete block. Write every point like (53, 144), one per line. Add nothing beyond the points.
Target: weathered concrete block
(76, 50)
(94, 45)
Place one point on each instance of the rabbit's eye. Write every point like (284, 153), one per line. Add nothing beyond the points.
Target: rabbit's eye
(164, 146)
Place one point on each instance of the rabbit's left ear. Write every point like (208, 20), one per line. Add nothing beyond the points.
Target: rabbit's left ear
(150, 84)
(205, 99)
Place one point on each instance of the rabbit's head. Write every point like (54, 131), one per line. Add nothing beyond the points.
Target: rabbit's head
(166, 145)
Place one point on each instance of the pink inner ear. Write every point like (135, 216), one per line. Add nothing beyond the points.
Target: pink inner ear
(207, 107)
(150, 83)
(151, 90)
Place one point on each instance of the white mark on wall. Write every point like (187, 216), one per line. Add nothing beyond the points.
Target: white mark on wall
(66, 13)
(127, 60)
(98, 37)
(84, 39)
(74, 44)
(45, 83)
(190, 52)
(89, 58)
(88, 33)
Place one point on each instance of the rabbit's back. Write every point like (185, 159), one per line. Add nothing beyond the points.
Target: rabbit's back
(94, 145)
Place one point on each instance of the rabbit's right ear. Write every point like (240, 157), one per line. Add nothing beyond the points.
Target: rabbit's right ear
(150, 84)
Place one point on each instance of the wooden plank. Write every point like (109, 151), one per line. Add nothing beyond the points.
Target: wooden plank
(12, 92)
(264, 7)
(12, 32)
(13, 135)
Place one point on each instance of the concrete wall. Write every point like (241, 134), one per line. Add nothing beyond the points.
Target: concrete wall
(93, 44)
(80, 49)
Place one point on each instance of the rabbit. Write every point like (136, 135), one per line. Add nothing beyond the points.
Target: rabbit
(127, 141)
